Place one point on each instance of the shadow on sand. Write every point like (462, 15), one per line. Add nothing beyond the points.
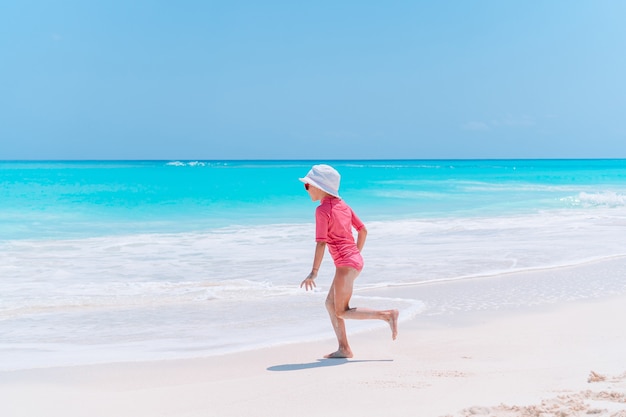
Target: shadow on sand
(320, 363)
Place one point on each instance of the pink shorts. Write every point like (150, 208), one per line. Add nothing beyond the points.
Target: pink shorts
(355, 261)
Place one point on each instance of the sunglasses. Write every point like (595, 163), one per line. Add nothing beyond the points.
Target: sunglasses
(306, 187)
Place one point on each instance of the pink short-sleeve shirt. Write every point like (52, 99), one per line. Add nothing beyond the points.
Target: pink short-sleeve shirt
(334, 221)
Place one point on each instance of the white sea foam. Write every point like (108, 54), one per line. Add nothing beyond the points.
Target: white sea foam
(598, 199)
(150, 296)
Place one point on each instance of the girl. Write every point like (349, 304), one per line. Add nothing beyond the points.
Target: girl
(334, 221)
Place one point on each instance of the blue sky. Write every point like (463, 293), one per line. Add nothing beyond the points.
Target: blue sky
(121, 79)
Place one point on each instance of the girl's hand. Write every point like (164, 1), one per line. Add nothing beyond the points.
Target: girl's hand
(309, 282)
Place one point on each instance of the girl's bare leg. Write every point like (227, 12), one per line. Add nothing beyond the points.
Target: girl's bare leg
(337, 304)
(339, 325)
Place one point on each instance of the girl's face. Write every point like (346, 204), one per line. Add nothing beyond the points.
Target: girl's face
(315, 193)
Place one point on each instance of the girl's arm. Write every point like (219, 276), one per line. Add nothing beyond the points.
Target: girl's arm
(309, 281)
(360, 239)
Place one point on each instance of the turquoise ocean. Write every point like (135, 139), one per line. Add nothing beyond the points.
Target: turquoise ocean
(104, 261)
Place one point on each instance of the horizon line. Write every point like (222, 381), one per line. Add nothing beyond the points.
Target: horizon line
(310, 160)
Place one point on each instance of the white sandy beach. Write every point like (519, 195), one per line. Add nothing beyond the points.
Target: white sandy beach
(564, 359)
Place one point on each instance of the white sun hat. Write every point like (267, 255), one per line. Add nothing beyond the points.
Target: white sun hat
(324, 177)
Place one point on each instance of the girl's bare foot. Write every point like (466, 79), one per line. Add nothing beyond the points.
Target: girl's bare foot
(340, 354)
(393, 323)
